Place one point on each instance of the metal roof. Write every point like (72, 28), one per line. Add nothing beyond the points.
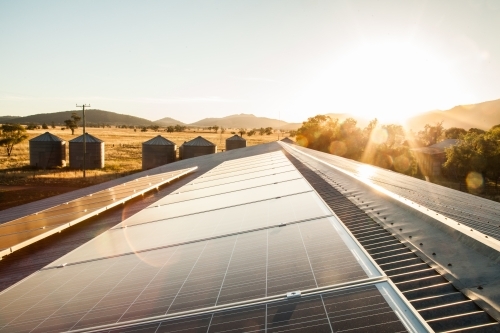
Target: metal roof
(47, 137)
(199, 141)
(437, 148)
(287, 140)
(429, 241)
(159, 141)
(88, 137)
(235, 138)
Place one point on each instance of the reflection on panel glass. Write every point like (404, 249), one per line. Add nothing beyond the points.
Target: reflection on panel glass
(188, 228)
(175, 279)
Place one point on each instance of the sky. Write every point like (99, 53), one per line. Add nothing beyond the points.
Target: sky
(290, 60)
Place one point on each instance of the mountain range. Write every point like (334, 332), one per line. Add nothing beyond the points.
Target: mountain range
(481, 115)
(111, 118)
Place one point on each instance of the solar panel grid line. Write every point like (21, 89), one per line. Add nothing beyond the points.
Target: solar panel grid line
(191, 188)
(185, 243)
(241, 172)
(266, 165)
(225, 168)
(11, 244)
(95, 196)
(174, 199)
(236, 305)
(65, 268)
(465, 230)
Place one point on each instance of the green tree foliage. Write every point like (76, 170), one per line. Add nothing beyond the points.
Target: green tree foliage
(476, 152)
(32, 126)
(179, 128)
(383, 146)
(11, 135)
(454, 133)
(72, 123)
(431, 134)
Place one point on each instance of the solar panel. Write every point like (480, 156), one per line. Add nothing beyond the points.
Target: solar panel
(206, 251)
(24, 231)
(360, 309)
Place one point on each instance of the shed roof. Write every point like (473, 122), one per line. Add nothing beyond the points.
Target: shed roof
(159, 141)
(235, 138)
(199, 141)
(287, 140)
(89, 138)
(47, 137)
(437, 148)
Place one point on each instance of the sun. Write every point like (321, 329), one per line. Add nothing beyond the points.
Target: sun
(385, 80)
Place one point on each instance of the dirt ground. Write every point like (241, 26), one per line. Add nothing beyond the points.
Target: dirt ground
(20, 184)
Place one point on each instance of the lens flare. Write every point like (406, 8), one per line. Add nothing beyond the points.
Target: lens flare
(379, 135)
(474, 181)
(338, 148)
(402, 164)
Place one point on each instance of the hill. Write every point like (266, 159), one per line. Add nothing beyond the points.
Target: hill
(481, 115)
(91, 116)
(167, 121)
(245, 121)
(8, 119)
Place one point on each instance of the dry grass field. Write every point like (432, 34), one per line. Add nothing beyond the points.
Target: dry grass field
(21, 184)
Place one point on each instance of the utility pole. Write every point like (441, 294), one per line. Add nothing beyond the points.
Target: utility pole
(83, 106)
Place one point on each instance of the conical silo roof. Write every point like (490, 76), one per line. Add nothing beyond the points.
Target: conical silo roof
(47, 137)
(159, 141)
(88, 138)
(199, 142)
(236, 138)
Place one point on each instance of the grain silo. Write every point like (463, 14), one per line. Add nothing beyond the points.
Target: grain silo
(157, 151)
(95, 152)
(197, 147)
(47, 151)
(235, 142)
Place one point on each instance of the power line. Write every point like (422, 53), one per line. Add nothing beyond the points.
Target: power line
(83, 106)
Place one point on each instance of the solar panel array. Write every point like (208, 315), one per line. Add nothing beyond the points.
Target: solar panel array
(476, 212)
(229, 244)
(23, 231)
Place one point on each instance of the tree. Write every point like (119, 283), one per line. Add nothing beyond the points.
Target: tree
(144, 129)
(454, 133)
(44, 126)
(11, 135)
(32, 126)
(222, 130)
(215, 128)
(242, 131)
(170, 129)
(72, 123)
(53, 125)
(262, 131)
(269, 130)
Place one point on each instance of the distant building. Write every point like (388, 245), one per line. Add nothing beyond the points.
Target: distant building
(235, 142)
(196, 147)
(47, 151)
(95, 152)
(157, 151)
(288, 140)
(430, 159)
